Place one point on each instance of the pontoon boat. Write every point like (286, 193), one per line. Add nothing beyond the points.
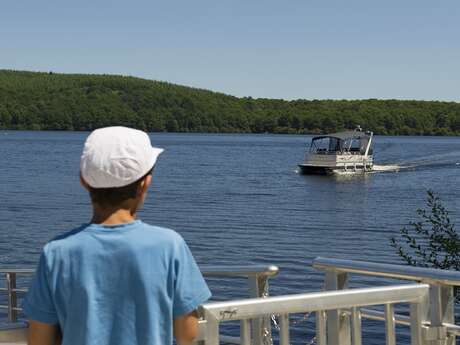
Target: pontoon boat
(349, 151)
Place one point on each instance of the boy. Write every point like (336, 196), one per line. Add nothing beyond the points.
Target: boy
(116, 280)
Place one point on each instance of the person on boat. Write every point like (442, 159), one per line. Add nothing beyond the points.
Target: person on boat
(116, 280)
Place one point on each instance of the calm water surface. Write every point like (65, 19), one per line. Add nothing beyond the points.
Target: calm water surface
(237, 200)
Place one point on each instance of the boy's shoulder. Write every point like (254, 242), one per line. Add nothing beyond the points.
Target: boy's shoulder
(137, 231)
(159, 234)
(66, 236)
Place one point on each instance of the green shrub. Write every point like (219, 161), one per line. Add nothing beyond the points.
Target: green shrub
(431, 241)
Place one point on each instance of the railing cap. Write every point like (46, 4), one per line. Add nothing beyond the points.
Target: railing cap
(207, 270)
(314, 301)
(239, 271)
(426, 275)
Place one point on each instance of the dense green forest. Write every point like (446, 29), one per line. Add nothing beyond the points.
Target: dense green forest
(50, 101)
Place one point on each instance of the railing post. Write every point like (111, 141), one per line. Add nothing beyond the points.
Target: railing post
(390, 325)
(418, 316)
(245, 332)
(338, 325)
(321, 327)
(261, 327)
(356, 331)
(441, 311)
(12, 297)
(284, 329)
(212, 336)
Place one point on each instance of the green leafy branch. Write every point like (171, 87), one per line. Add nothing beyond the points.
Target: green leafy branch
(432, 240)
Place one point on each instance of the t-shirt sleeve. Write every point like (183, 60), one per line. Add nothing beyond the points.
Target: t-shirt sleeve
(190, 289)
(38, 304)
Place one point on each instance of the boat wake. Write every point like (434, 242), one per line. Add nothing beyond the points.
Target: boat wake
(438, 161)
(388, 167)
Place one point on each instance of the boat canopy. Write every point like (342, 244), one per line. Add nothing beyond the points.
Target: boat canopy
(344, 135)
(355, 141)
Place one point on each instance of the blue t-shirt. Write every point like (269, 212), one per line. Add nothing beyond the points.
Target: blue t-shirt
(116, 285)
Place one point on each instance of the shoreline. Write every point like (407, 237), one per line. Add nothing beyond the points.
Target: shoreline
(232, 133)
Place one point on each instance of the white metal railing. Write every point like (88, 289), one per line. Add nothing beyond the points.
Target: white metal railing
(324, 304)
(439, 315)
(338, 310)
(12, 291)
(257, 279)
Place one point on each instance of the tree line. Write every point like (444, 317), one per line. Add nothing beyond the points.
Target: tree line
(50, 101)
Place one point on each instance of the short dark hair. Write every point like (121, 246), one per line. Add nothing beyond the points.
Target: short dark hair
(115, 196)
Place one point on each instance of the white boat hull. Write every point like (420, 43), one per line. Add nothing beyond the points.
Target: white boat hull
(330, 163)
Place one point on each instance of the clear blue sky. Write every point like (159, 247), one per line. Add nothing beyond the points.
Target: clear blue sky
(288, 49)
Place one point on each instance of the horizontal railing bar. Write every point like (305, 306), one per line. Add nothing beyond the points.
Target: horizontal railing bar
(6, 307)
(239, 271)
(403, 320)
(20, 290)
(207, 270)
(229, 339)
(309, 302)
(12, 325)
(17, 270)
(380, 316)
(452, 329)
(405, 272)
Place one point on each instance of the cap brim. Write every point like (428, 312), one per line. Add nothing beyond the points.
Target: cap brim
(156, 151)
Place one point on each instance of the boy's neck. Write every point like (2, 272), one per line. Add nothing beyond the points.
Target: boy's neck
(112, 217)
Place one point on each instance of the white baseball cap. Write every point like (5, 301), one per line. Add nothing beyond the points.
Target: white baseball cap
(116, 157)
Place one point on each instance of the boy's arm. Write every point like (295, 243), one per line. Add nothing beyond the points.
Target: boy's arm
(190, 291)
(40, 333)
(185, 328)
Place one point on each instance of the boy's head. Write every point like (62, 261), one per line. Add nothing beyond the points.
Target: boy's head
(116, 165)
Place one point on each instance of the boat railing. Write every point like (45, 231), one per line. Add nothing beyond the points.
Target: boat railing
(326, 305)
(440, 315)
(343, 152)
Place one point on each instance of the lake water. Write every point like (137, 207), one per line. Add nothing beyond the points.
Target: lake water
(237, 200)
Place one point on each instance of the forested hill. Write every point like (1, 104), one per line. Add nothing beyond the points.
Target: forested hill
(30, 100)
